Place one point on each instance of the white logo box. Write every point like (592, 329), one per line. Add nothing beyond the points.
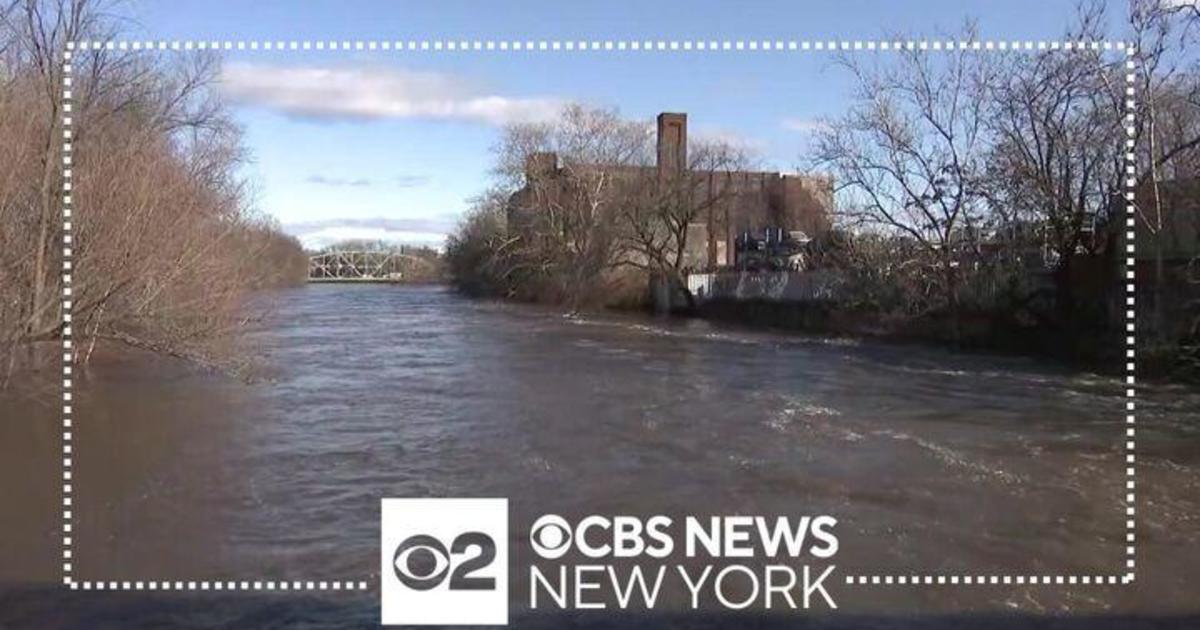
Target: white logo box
(470, 588)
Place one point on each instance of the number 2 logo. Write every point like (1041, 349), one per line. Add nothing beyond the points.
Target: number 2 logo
(422, 562)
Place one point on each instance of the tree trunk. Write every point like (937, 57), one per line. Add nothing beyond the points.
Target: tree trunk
(48, 194)
(952, 302)
(1064, 295)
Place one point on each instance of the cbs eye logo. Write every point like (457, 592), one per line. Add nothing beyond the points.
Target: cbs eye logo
(422, 562)
(550, 536)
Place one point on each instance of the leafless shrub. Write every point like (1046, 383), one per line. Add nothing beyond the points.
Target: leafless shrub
(480, 254)
(164, 240)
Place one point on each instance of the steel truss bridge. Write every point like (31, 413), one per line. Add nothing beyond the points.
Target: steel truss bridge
(360, 266)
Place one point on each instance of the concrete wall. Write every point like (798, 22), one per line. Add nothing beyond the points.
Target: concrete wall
(776, 286)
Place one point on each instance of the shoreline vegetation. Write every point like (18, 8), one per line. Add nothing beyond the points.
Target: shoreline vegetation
(168, 245)
(981, 201)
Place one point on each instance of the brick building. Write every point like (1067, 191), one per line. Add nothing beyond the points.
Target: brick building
(736, 202)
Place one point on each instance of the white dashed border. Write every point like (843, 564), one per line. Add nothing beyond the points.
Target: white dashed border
(68, 351)
(608, 45)
(1130, 313)
(534, 46)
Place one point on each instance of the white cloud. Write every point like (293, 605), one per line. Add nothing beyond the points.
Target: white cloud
(330, 236)
(402, 181)
(411, 181)
(376, 93)
(802, 125)
(360, 182)
(425, 231)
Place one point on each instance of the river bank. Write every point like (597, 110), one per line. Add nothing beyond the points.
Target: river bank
(976, 332)
(998, 333)
(1012, 317)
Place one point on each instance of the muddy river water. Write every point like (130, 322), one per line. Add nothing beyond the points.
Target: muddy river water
(934, 462)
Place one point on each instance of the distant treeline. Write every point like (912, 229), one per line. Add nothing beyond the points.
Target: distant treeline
(165, 243)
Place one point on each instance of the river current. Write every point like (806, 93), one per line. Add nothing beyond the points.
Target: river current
(933, 462)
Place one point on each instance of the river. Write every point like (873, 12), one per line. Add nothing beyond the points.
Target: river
(934, 462)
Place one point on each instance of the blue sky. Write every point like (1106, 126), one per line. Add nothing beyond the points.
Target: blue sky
(392, 144)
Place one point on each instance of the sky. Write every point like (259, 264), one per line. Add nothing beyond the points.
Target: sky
(392, 145)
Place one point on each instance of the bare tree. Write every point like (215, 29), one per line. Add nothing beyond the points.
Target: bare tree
(35, 34)
(580, 210)
(167, 242)
(575, 172)
(480, 253)
(1055, 162)
(662, 211)
(909, 155)
(1167, 125)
